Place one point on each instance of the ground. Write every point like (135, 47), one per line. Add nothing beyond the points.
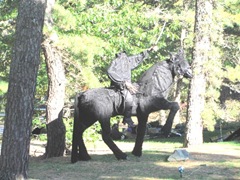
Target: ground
(208, 161)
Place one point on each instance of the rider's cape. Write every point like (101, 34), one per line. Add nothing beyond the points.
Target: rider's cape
(154, 82)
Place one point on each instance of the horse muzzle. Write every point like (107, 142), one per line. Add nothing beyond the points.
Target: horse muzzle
(188, 73)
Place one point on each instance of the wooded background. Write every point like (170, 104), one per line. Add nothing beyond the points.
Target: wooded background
(84, 36)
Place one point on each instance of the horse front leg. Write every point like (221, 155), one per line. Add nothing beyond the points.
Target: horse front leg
(174, 107)
(105, 124)
(141, 129)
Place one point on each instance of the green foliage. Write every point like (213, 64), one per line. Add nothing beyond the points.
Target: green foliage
(40, 123)
(107, 27)
(68, 122)
(3, 91)
(3, 87)
(6, 42)
(7, 28)
(214, 74)
(42, 83)
(231, 50)
(37, 122)
(92, 134)
(85, 50)
(104, 29)
(214, 67)
(90, 33)
(233, 7)
(233, 73)
(64, 19)
(8, 9)
(127, 26)
(211, 114)
(232, 110)
(8, 15)
(75, 6)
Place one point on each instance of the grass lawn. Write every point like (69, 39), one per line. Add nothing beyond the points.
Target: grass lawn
(208, 161)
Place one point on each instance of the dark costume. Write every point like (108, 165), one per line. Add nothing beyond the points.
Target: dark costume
(120, 74)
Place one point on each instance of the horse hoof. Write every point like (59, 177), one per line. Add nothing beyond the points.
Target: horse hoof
(84, 158)
(136, 153)
(74, 161)
(123, 157)
(166, 135)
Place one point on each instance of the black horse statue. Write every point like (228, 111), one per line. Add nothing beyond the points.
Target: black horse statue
(101, 104)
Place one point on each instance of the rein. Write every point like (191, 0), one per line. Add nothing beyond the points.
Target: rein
(173, 83)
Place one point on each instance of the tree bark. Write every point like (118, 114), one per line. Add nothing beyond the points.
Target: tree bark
(177, 98)
(56, 91)
(177, 95)
(202, 47)
(21, 90)
(55, 103)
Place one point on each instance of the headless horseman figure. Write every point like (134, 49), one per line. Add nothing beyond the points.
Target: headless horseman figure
(120, 74)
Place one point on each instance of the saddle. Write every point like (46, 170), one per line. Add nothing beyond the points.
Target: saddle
(127, 97)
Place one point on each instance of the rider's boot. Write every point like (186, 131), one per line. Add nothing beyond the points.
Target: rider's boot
(127, 117)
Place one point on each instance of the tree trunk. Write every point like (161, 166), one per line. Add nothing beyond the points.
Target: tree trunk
(55, 103)
(56, 92)
(177, 98)
(21, 91)
(202, 47)
(177, 95)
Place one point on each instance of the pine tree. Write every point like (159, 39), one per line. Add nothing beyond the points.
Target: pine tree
(202, 47)
(21, 91)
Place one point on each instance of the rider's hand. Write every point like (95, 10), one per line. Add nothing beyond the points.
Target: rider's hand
(153, 48)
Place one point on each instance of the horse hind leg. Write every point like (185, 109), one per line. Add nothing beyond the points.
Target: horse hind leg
(105, 125)
(83, 154)
(79, 150)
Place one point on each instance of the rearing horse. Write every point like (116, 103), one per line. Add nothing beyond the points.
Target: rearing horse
(101, 104)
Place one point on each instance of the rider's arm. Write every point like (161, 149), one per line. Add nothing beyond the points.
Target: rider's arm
(135, 60)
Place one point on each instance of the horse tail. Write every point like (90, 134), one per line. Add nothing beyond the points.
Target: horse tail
(74, 156)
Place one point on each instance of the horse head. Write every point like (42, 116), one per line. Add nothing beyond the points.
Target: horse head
(181, 67)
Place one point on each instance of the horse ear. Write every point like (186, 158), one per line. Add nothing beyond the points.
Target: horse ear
(120, 54)
(117, 55)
